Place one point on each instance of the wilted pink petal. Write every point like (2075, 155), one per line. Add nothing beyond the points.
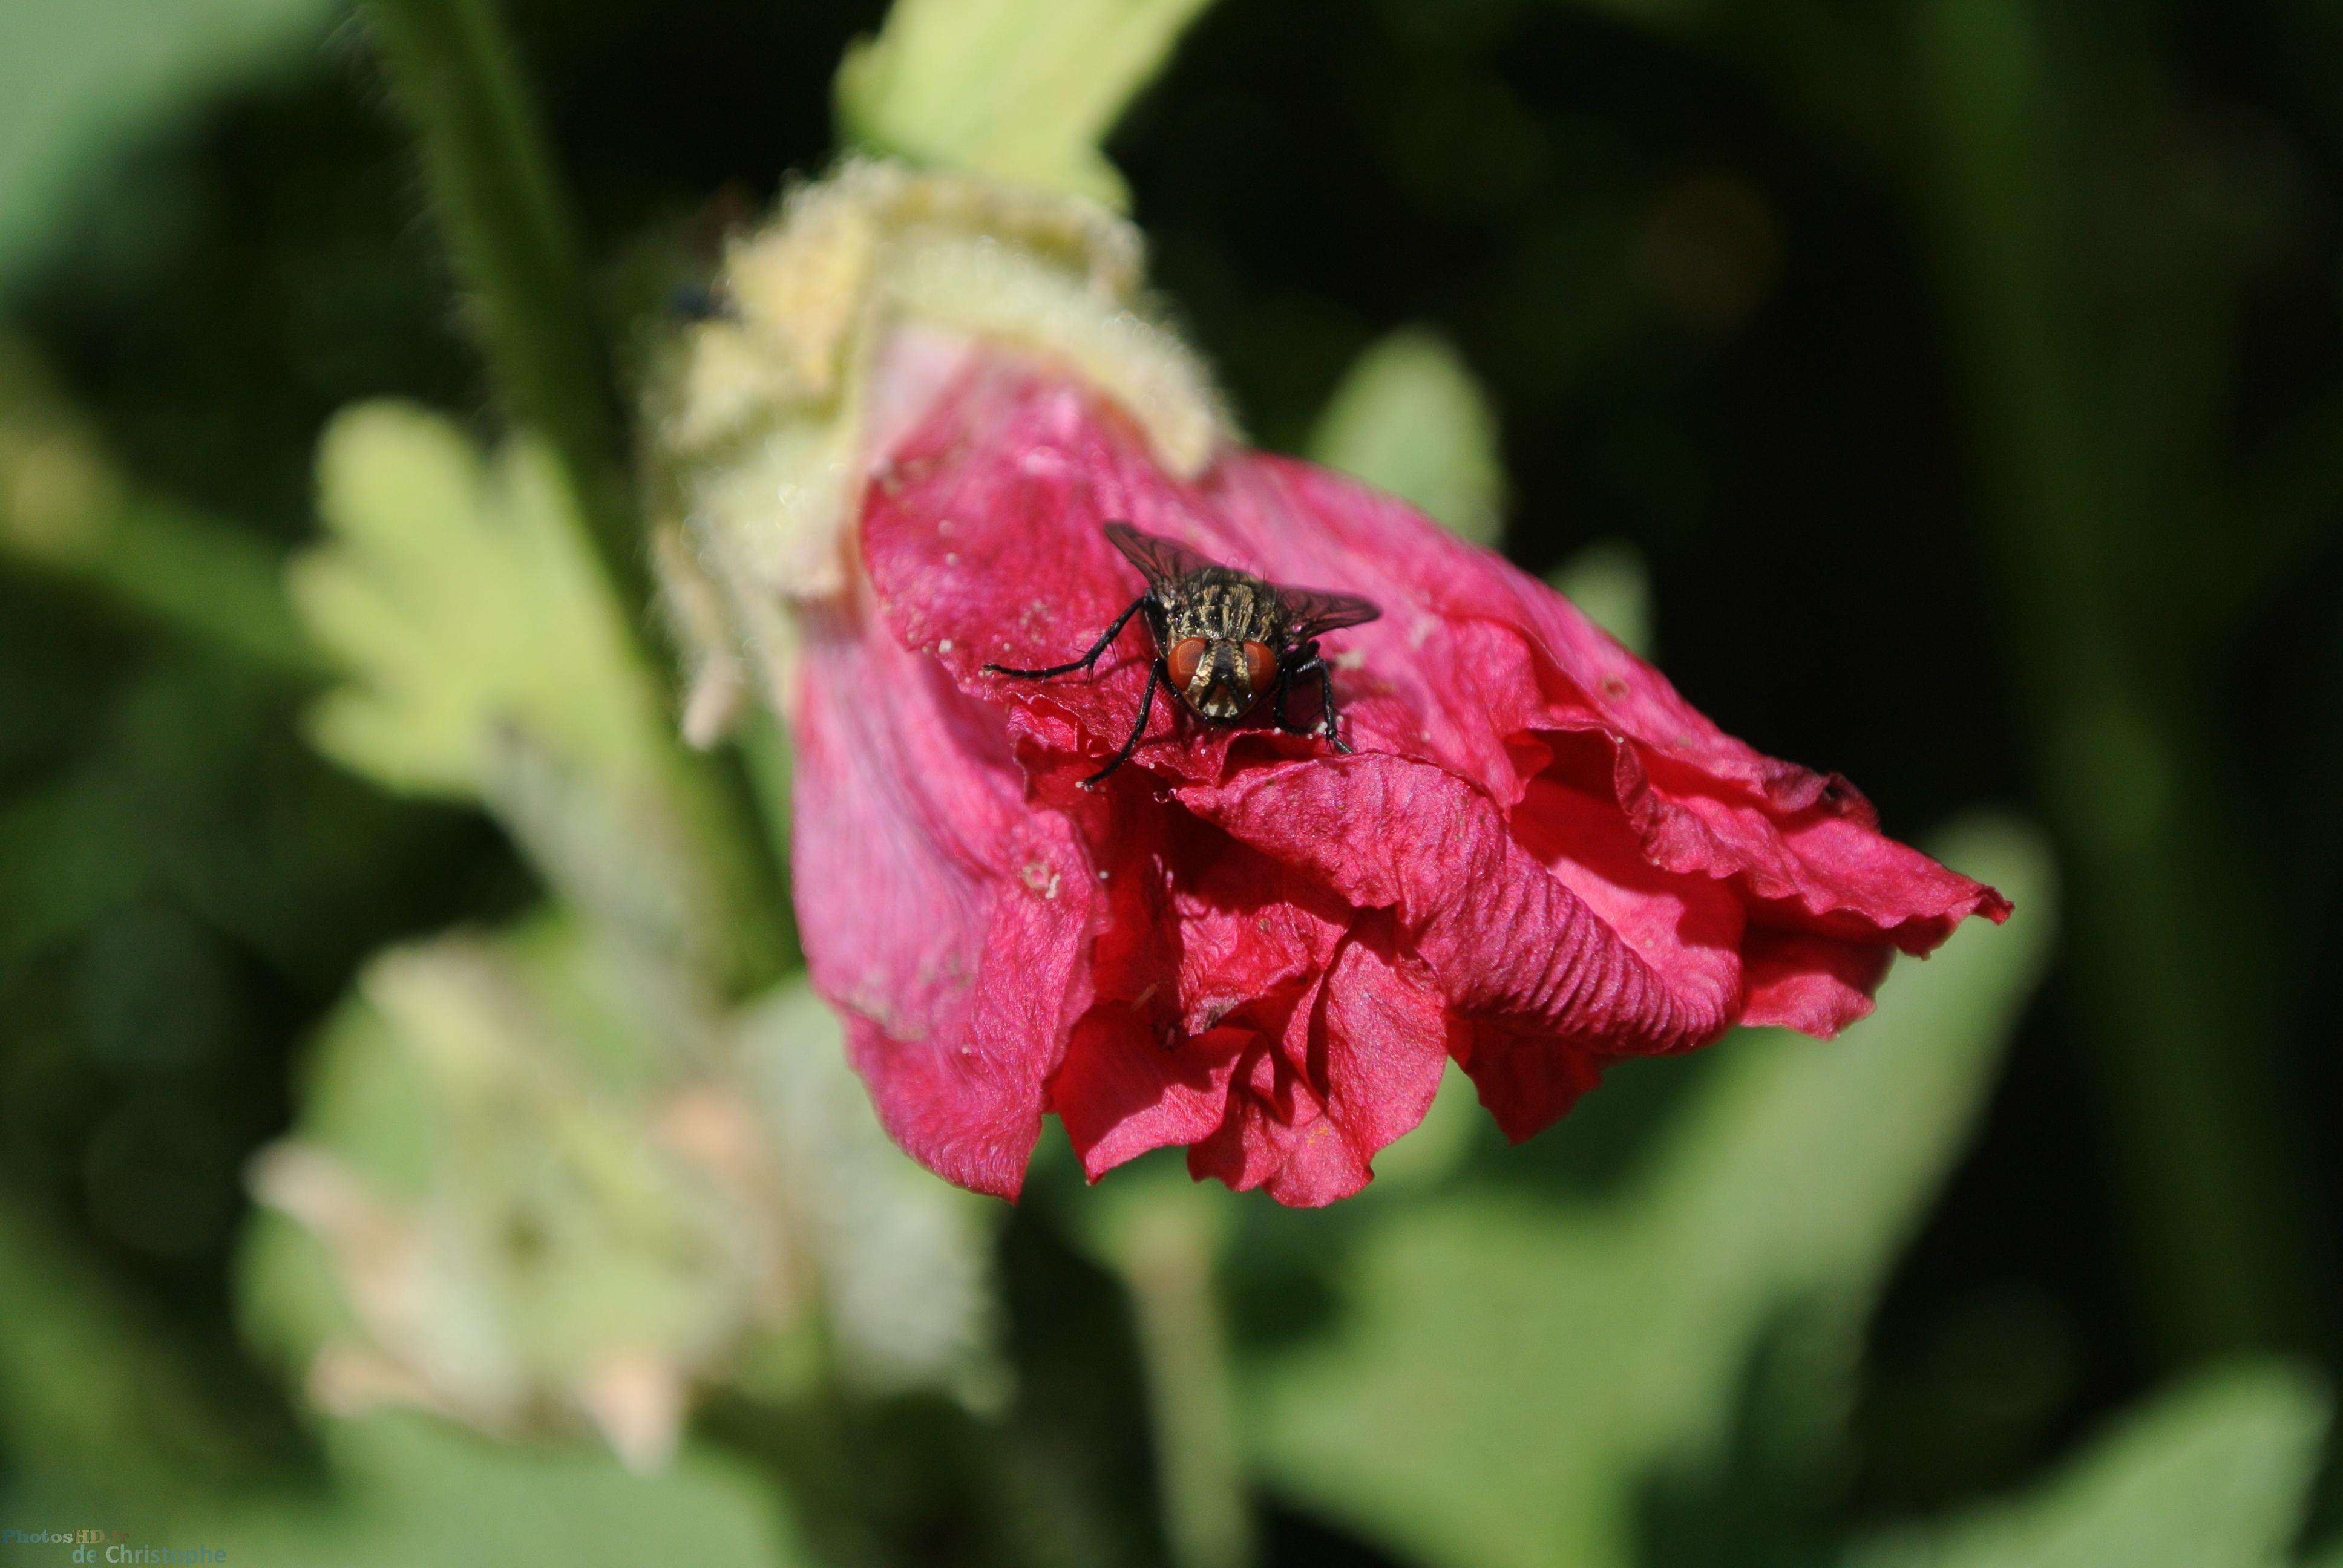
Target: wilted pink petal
(1217, 1025)
(1813, 983)
(1516, 940)
(1204, 940)
(951, 922)
(1541, 858)
(1356, 1066)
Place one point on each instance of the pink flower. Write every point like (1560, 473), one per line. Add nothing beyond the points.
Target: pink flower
(1541, 859)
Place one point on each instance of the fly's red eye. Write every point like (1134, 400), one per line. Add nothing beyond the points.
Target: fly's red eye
(1260, 663)
(1184, 656)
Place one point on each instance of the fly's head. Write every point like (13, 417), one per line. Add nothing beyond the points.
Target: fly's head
(1224, 631)
(1220, 679)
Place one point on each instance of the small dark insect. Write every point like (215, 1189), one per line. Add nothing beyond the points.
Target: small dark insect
(692, 303)
(1224, 639)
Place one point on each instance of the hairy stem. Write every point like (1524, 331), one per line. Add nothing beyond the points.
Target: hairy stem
(507, 227)
(508, 230)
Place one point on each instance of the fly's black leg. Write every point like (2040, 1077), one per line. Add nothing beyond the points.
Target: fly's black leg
(1304, 660)
(1326, 697)
(1086, 660)
(1146, 706)
(1277, 704)
(1155, 672)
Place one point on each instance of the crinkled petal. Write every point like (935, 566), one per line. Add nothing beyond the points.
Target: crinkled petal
(1248, 1013)
(1123, 1092)
(984, 544)
(1202, 931)
(1509, 940)
(982, 537)
(1353, 1065)
(1824, 866)
(947, 919)
(1813, 983)
(1492, 660)
(1576, 864)
(1376, 1040)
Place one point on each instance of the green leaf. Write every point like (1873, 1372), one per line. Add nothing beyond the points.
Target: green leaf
(78, 77)
(1024, 89)
(411, 1492)
(1510, 1370)
(487, 659)
(453, 591)
(1409, 417)
(2214, 1475)
(1611, 584)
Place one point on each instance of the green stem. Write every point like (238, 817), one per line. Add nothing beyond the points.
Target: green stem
(2172, 936)
(2292, 508)
(507, 230)
(1166, 1244)
(764, 751)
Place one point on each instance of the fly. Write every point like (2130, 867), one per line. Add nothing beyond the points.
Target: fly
(1224, 639)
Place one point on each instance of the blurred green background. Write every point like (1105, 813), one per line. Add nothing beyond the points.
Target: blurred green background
(1946, 392)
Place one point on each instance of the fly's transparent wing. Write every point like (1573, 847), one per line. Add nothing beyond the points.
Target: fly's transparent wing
(1313, 613)
(1162, 561)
